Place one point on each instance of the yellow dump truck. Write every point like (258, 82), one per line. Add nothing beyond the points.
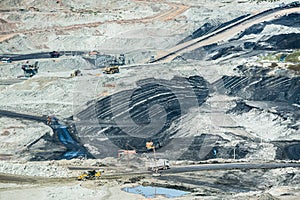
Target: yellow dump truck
(89, 175)
(111, 70)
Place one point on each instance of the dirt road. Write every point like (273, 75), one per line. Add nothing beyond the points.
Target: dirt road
(6, 37)
(176, 9)
(6, 113)
(228, 166)
(13, 178)
(8, 178)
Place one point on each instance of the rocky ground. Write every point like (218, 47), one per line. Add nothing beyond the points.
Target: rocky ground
(238, 99)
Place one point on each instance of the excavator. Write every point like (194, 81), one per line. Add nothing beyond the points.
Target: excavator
(89, 175)
(30, 70)
(77, 72)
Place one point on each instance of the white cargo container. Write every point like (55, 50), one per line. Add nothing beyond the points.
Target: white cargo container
(160, 164)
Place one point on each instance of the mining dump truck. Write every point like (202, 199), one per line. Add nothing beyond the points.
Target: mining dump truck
(54, 54)
(77, 72)
(89, 175)
(160, 164)
(111, 70)
(30, 70)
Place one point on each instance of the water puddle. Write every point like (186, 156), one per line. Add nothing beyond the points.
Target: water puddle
(152, 192)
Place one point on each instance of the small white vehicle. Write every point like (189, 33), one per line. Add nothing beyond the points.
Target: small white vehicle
(6, 60)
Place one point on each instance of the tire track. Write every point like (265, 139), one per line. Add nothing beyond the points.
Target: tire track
(175, 10)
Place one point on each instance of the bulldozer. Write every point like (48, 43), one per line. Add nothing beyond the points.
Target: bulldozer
(89, 175)
(111, 70)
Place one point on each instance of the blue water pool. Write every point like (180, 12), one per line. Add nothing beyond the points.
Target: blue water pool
(151, 192)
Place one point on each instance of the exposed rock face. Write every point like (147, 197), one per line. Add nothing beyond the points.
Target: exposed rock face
(128, 118)
(235, 100)
(279, 34)
(133, 117)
